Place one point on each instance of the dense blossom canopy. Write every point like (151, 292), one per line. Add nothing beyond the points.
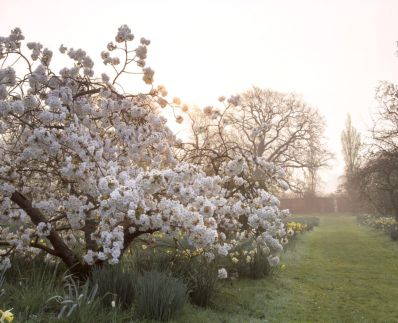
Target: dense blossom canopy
(85, 168)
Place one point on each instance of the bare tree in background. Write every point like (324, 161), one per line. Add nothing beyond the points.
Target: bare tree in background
(279, 127)
(315, 159)
(351, 144)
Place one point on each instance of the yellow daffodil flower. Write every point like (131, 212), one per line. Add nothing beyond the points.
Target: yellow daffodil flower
(6, 316)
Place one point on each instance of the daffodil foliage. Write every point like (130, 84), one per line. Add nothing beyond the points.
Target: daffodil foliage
(86, 167)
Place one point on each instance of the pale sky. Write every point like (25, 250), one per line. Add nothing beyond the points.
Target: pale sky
(333, 53)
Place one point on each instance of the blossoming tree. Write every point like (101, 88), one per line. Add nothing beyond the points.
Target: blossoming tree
(86, 168)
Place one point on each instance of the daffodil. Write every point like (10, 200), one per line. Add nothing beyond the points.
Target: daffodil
(6, 316)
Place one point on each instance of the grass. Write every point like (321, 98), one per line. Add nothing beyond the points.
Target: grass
(340, 272)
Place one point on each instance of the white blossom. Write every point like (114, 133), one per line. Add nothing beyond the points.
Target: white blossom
(222, 273)
(44, 229)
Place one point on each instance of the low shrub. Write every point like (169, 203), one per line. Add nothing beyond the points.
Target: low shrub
(159, 296)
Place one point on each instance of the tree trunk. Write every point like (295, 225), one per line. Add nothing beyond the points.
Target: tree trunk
(60, 249)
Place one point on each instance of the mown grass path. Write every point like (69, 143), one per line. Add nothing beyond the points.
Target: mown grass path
(340, 272)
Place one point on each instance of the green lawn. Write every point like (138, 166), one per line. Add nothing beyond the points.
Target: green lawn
(340, 272)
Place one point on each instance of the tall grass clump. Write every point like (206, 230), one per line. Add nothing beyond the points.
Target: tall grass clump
(80, 303)
(29, 288)
(198, 274)
(202, 281)
(114, 285)
(159, 296)
(75, 298)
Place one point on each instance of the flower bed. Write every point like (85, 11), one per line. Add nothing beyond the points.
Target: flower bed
(388, 225)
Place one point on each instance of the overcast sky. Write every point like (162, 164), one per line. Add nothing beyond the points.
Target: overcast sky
(333, 53)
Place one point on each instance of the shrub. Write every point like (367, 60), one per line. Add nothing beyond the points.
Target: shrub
(114, 284)
(159, 296)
